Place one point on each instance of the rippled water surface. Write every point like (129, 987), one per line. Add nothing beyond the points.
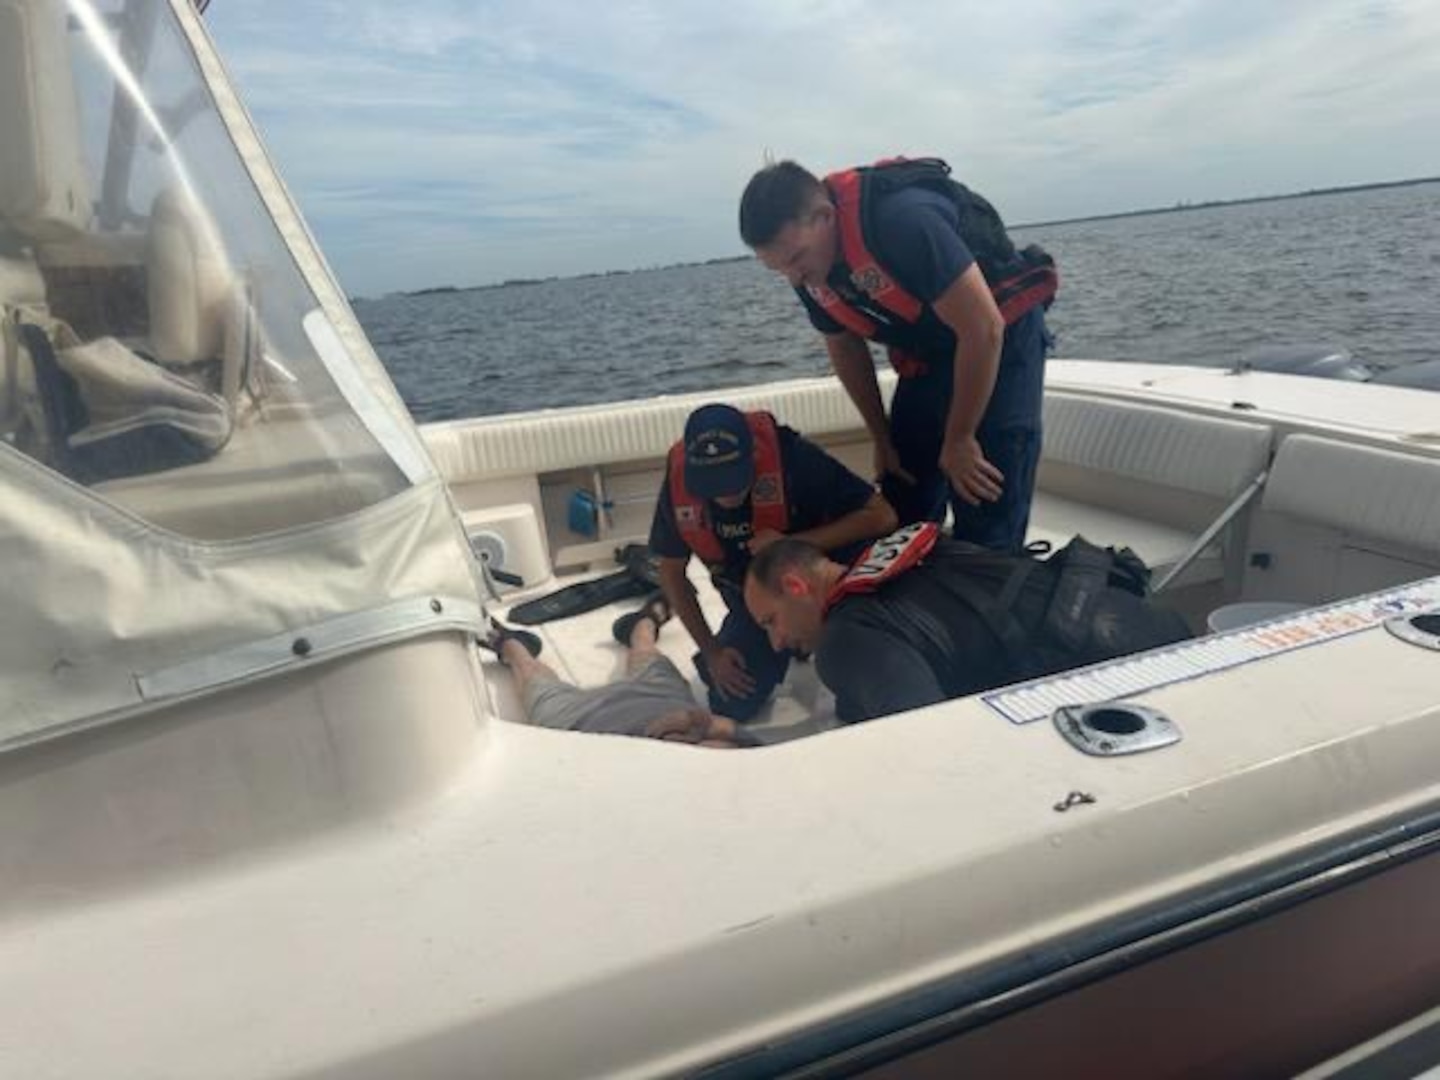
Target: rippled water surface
(1360, 270)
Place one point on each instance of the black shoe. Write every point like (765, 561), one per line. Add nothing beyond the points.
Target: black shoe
(656, 608)
(500, 633)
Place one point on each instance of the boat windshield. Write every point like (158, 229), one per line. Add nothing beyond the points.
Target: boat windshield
(162, 344)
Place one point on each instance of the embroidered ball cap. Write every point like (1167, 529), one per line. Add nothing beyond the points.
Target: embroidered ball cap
(719, 452)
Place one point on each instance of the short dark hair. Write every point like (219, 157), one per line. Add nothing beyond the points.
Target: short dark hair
(775, 196)
(782, 556)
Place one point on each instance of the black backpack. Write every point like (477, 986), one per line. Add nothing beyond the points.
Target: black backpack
(1080, 605)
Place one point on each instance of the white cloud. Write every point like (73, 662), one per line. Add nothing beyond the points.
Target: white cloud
(482, 141)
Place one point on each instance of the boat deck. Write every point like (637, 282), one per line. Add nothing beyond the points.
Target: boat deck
(1224, 508)
(582, 650)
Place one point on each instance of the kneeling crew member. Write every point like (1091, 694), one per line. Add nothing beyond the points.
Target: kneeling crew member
(736, 483)
(920, 619)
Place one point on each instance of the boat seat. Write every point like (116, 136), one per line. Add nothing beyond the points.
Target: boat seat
(190, 286)
(1338, 519)
(69, 285)
(1146, 477)
(109, 410)
(1057, 520)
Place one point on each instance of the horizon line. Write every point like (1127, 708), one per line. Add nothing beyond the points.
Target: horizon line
(1177, 208)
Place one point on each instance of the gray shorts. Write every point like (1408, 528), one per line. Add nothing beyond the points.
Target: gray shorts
(623, 707)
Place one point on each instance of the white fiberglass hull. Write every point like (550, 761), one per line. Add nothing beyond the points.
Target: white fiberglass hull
(422, 888)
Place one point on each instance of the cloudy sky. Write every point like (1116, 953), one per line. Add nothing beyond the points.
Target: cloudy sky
(468, 141)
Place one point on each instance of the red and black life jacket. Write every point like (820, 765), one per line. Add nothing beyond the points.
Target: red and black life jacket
(769, 508)
(1018, 280)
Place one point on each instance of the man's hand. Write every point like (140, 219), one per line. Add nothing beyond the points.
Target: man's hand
(971, 475)
(727, 671)
(887, 462)
(694, 726)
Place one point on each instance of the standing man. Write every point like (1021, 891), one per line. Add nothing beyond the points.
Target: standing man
(901, 254)
(734, 484)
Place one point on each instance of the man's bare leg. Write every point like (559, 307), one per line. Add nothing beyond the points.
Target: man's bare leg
(644, 644)
(524, 667)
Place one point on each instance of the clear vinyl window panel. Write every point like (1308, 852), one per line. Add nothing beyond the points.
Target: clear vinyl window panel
(160, 345)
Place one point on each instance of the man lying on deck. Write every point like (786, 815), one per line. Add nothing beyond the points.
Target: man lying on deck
(919, 619)
(652, 699)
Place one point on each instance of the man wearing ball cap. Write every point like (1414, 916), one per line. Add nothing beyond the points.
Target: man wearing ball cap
(735, 483)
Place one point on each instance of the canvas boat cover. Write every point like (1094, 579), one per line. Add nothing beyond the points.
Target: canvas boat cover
(198, 448)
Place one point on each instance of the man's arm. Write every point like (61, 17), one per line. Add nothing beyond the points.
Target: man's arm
(726, 664)
(876, 518)
(873, 673)
(681, 596)
(968, 308)
(667, 545)
(850, 358)
(832, 507)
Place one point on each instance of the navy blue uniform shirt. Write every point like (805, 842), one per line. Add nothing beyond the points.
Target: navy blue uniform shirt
(917, 241)
(818, 488)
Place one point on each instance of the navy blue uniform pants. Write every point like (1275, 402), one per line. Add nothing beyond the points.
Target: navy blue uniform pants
(766, 666)
(1010, 435)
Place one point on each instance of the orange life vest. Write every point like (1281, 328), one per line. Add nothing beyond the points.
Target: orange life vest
(1018, 280)
(769, 509)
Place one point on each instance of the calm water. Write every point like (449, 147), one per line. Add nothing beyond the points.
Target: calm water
(1358, 270)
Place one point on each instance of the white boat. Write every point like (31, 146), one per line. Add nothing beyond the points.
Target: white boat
(266, 811)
